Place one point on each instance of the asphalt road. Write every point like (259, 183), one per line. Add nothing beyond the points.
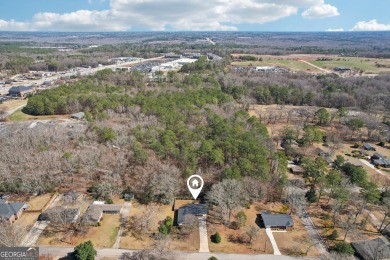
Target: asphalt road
(57, 251)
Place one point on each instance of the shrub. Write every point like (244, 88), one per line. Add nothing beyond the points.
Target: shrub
(109, 201)
(344, 248)
(166, 226)
(213, 258)
(334, 235)
(241, 219)
(381, 143)
(216, 238)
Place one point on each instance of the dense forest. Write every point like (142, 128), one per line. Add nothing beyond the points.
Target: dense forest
(176, 128)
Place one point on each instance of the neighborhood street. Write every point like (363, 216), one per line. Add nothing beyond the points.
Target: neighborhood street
(116, 253)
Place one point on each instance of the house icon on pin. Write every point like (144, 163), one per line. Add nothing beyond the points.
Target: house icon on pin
(195, 183)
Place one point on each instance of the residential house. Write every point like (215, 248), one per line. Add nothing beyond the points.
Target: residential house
(384, 162)
(277, 221)
(93, 215)
(197, 210)
(368, 147)
(110, 208)
(379, 160)
(21, 91)
(11, 211)
(378, 248)
(377, 156)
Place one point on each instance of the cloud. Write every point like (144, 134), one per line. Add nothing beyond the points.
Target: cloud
(196, 15)
(13, 25)
(372, 25)
(335, 30)
(320, 12)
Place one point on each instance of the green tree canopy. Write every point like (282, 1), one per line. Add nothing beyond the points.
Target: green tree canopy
(85, 251)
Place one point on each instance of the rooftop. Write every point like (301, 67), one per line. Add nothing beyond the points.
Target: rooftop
(276, 220)
(192, 209)
(377, 248)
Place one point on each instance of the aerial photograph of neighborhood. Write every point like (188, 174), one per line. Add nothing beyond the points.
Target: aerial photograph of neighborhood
(194, 130)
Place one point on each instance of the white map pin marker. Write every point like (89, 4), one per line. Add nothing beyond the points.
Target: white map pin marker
(195, 185)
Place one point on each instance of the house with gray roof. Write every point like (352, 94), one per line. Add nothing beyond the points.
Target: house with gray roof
(12, 211)
(277, 221)
(378, 248)
(21, 91)
(197, 210)
(383, 162)
(368, 147)
(93, 215)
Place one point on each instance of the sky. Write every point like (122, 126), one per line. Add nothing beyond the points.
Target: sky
(194, 15)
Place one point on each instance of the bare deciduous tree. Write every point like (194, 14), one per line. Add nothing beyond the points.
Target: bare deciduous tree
(11, 235)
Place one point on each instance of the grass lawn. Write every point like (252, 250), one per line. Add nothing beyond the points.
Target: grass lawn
(38, 202)
(191, 243)
(11, 104)
(129, 241)
(291, 63)
(365, 64)
(296, 241)
(101, 236)
(18, 115)
(27, 220)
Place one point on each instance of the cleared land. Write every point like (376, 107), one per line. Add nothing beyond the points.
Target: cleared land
(329, 62)
(368, 66)
(38, 202)
(292, 63)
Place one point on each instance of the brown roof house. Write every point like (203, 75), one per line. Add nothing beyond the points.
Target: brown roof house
(12, 211)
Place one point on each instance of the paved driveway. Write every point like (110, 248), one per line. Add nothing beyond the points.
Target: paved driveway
(124, 216)
(32, 236)
(204, 239)
(268, 231)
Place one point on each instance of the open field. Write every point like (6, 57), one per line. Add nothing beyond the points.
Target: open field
(292, 63)
(12, 104)
(18, 115)
(367, 65)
